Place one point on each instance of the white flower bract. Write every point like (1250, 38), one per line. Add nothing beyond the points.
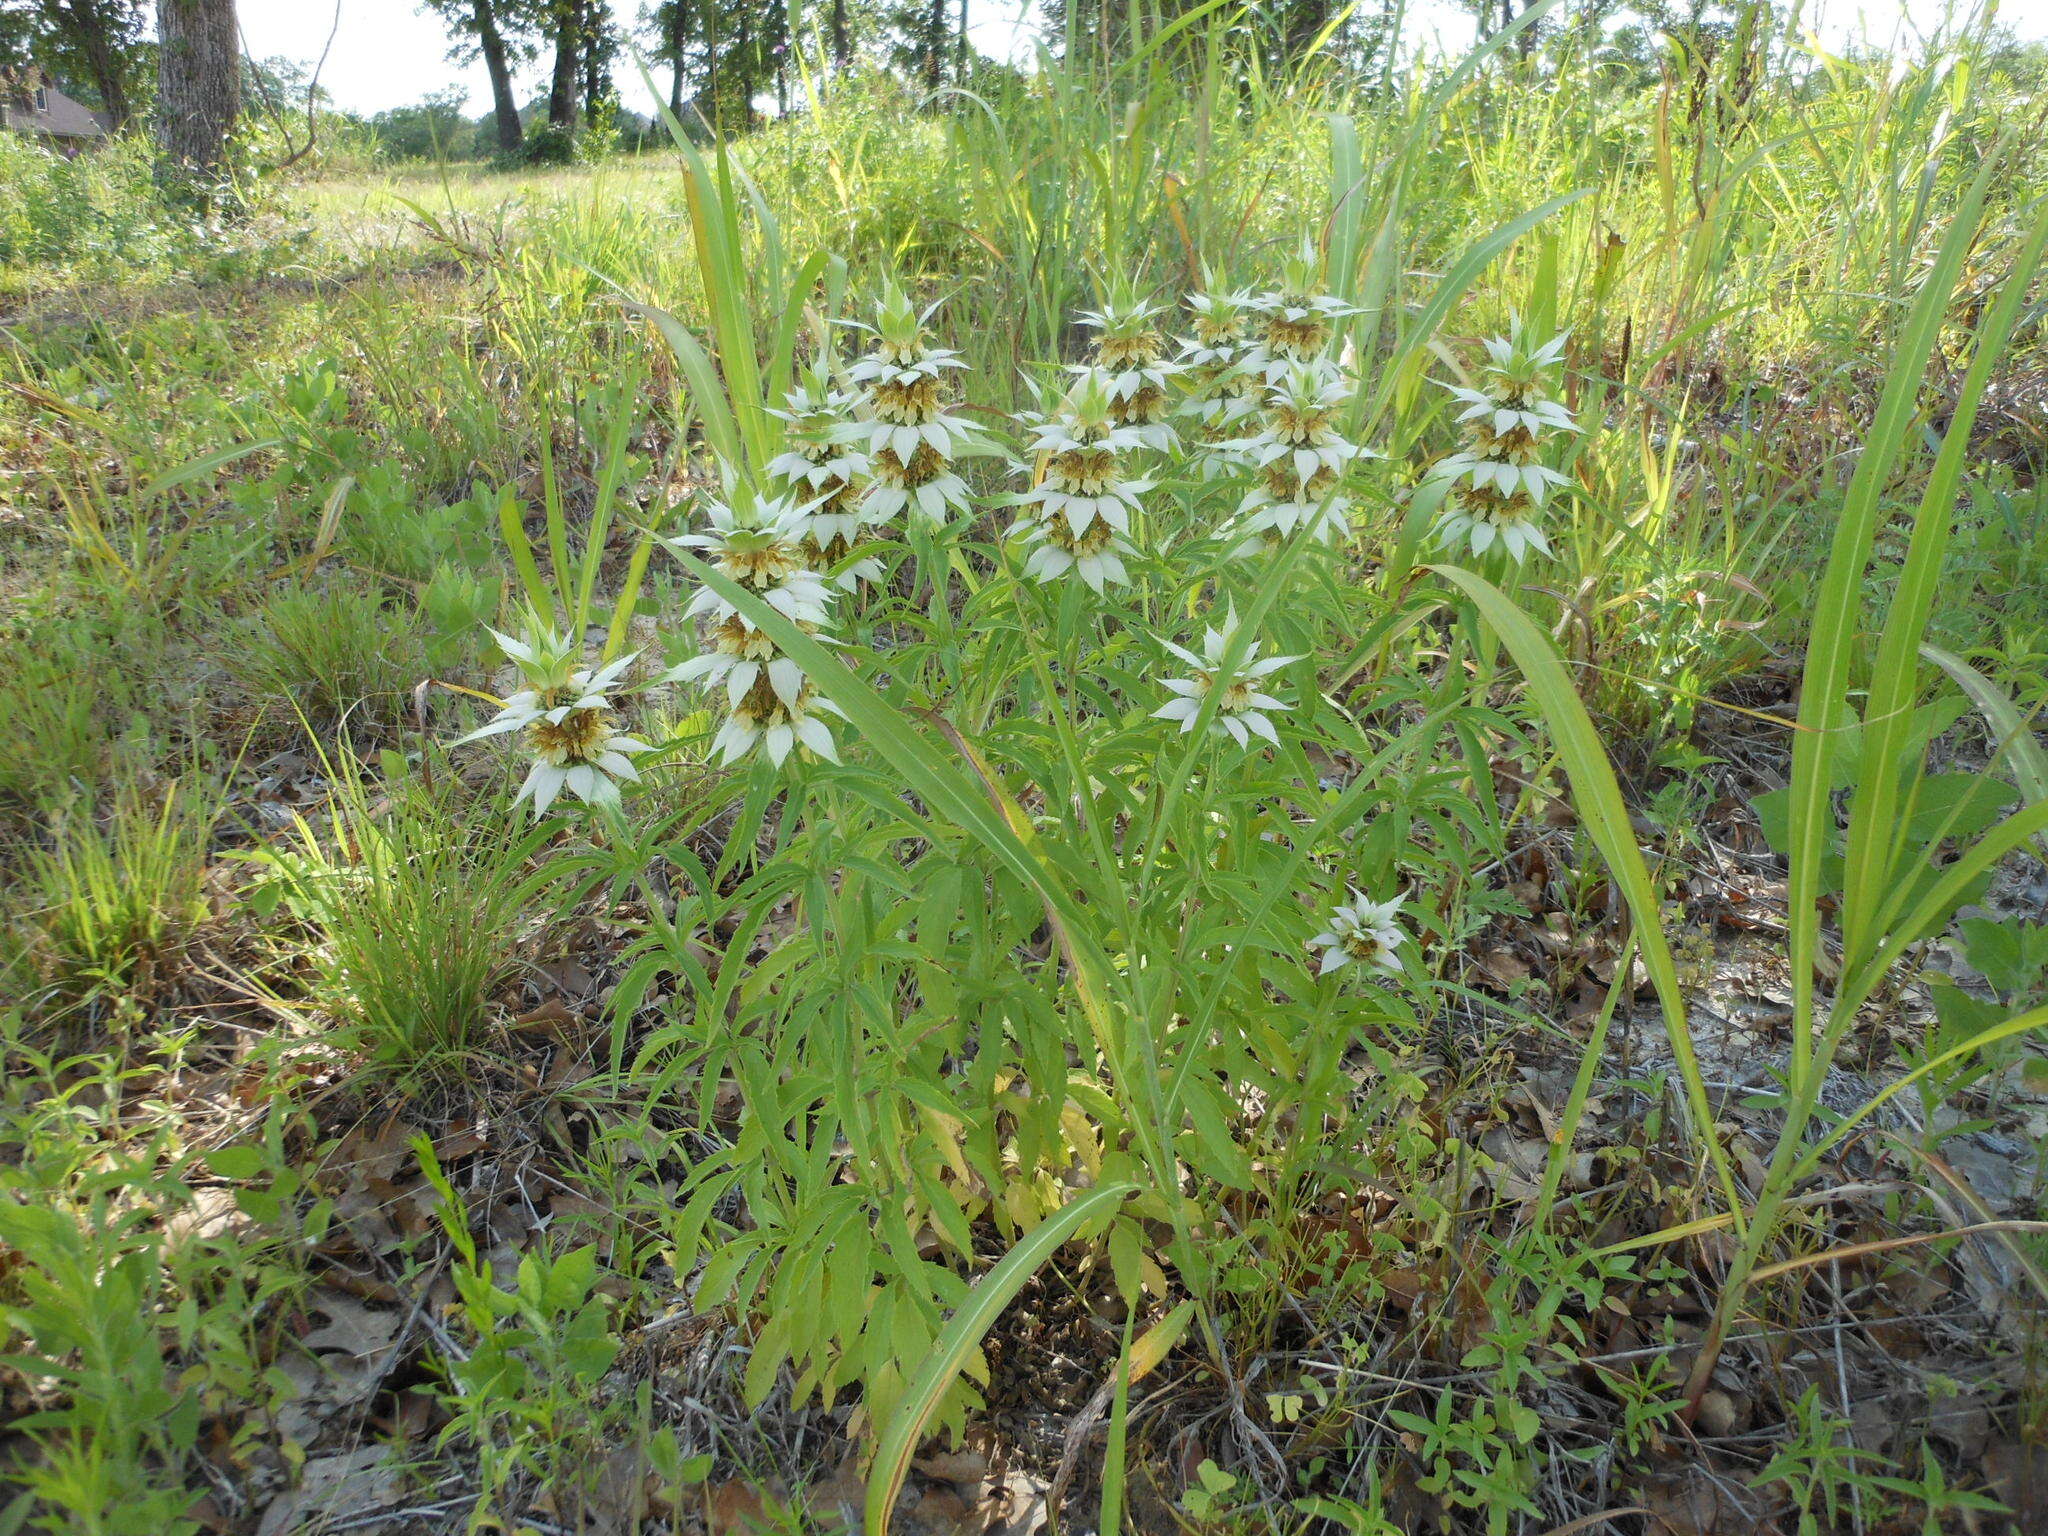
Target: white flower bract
(1241, 704)
(1496, 486)
(909, 439)
(1079, 513)
(1361, 932)
(771, 551)
(566, 715)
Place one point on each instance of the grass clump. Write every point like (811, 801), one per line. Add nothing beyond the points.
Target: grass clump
(344, 659)
(413, 920)
(106, 906)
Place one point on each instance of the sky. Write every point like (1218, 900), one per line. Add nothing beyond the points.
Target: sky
(384, 53)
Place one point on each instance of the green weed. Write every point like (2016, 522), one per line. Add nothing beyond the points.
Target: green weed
(106, 907)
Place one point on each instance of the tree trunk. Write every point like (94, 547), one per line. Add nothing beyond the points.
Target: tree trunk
(88, 30)
(198, 89)
(562, 83)
(597, 81)
(842, 41)
(677, 18)
(1304, 21)
(504, 105)
(935, 46)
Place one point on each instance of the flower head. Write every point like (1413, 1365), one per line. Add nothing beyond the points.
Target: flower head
(567, 718)
(1218, 325)
(760, 549)
(822, 471)
(1480, 516)
(1300, 453)
(1511, 408)
(1223, 389)
(764, 718)
(1131, 364)
(1296, 319)
(820, 437)
(1240, 704)
(581, 752)
(1498, 482)
(1079, 511)
(1361, 931)
(911, 440)
(770, 701)
(1126, 335)
(1300, 459)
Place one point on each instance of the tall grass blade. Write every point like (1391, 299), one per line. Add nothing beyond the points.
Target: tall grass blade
(1597, 794)
(962, 1335)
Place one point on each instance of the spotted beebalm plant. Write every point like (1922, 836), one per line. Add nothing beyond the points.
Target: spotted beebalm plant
(911, 441)
(566, 714)
(1077, 518)
(770, 702)
(1361, 932)
(1497, 484)
(896, 973)
(1242, 705)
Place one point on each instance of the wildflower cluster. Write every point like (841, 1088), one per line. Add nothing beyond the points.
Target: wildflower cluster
(1497, 484)
(566, 714)
(1222, 391)
(1296, 322)
(911, 441)
(1300, 459)
(1240, 702)
(824, 471)
(1130, 355)
(1079, 512)
(770, 702)
(875, 446)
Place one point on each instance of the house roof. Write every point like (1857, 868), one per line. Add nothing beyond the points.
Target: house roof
(58, 115)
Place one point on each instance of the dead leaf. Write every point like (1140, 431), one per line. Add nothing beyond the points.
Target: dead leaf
(2017, 1474)
(335, 1488)
(360, 1332)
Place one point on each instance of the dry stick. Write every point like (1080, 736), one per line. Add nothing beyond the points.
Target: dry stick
(312, 90)
(1963, 1192)
(1857, 1250)
(1842, 1387)
(1587, 1522)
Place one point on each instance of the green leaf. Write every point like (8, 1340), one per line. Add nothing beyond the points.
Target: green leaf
(2016, 749)
(961, 1336)
(1597, 794)
(195, 469)
(237, 1162)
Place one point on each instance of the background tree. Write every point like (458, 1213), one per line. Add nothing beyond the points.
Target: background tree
(432, 129)
(728, 52)
(842, 37)
(1279, 33)
(673, 23)
(93, 48)
(500, 33)
(561, 24)
(926, 39)
(579, 81)
(198, 89)
(599, 44)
